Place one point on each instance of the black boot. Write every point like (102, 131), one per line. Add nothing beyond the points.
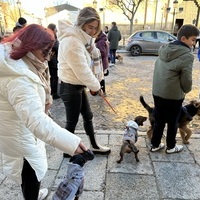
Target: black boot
(96, 148)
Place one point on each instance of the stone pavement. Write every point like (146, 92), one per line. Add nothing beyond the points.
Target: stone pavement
(157, 176)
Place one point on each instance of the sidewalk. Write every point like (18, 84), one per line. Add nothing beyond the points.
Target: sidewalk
(157, 176)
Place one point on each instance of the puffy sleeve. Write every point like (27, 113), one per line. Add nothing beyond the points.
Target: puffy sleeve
(25, 96)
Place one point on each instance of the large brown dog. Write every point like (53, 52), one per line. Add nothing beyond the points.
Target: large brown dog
(187, 113)
(130, 138)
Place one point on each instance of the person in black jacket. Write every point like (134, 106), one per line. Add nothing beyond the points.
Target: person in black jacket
(114, 36)
(53, 69)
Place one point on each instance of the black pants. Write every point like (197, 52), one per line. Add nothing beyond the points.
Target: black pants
(166, 112)
(103, 87)
(76, 102)
(30, 185)
(53, 80)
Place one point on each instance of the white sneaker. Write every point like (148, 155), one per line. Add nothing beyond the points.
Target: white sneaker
(176, 149)
(43, 193)
(153, 149)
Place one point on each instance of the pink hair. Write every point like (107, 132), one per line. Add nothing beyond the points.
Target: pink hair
(30, 38)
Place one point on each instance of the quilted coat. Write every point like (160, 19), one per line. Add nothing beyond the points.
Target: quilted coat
(24, 126)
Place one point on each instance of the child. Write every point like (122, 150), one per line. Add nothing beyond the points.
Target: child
(172, 79)
(72, 186)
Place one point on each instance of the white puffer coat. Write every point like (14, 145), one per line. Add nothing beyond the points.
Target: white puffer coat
(24, 126)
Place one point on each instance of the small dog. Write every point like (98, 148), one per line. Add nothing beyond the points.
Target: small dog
(187, 113)
(120, 58)
(130, 137)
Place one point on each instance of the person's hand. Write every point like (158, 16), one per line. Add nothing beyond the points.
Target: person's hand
(47, 107)
(94, 93)
(100, 92)
(81, 148)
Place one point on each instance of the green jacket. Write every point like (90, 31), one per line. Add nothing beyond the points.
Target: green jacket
(114, 36)
(172, 77)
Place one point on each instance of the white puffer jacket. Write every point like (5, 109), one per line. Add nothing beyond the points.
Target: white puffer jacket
(24, 126)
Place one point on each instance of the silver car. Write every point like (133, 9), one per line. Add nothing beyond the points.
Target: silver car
(148, 41)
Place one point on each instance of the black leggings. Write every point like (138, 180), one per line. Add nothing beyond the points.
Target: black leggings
(76, 102)
(30, 185)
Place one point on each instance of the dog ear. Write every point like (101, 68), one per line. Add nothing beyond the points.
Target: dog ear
(195, 103)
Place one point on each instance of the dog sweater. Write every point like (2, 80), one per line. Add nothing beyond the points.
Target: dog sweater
(130, 134)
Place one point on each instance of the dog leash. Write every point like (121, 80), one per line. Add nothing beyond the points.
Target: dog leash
(104, 98)
(108, 103)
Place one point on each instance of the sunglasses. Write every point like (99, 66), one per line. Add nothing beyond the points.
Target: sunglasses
(47, 52)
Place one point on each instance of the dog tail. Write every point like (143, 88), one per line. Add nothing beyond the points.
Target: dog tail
(145, 105)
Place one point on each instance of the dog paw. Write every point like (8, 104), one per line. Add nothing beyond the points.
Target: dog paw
(186, 142)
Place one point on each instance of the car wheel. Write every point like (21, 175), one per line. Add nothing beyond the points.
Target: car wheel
(135, 50)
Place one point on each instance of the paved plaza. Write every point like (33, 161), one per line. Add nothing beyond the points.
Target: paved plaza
(158, 176)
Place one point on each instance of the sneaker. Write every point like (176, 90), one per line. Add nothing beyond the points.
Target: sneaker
(153, 149)
(176, 149)
(43, 193)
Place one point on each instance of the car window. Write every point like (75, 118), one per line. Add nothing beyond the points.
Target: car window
(164, 36)
(146, 35)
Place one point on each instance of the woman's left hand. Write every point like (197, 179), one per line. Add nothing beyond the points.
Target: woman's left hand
(47, 107)
(81, 148)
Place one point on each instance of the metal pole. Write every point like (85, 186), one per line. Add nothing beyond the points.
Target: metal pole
(154, 26)
(173, 21)
(145, 14)
(20, 12)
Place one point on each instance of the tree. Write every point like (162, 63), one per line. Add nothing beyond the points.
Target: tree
(129, 9)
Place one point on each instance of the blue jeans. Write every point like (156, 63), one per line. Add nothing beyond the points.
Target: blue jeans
(113, 55)
(166, 112)
(76, 102)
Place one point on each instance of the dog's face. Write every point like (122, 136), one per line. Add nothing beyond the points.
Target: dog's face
(119, 57)
(140, 120)
(197, 105)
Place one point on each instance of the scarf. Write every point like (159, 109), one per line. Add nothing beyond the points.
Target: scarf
(95, 54)
(96, 65)
(42, 71)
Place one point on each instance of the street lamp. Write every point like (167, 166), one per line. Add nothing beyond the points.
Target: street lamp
(103, 11)
(175, 11)
(1, 20)
(46, 13)
(19, 7)
(94, 4)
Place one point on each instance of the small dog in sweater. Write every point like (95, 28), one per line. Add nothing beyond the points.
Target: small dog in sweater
(130, 137)
(72, 186)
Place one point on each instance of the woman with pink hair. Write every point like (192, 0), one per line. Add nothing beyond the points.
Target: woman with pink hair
(24, 102)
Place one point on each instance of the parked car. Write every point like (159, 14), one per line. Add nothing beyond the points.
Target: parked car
(147, 41)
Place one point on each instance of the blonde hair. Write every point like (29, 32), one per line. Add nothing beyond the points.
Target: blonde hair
(88, 15)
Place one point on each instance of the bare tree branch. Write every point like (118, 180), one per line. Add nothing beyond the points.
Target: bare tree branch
(128, 8)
